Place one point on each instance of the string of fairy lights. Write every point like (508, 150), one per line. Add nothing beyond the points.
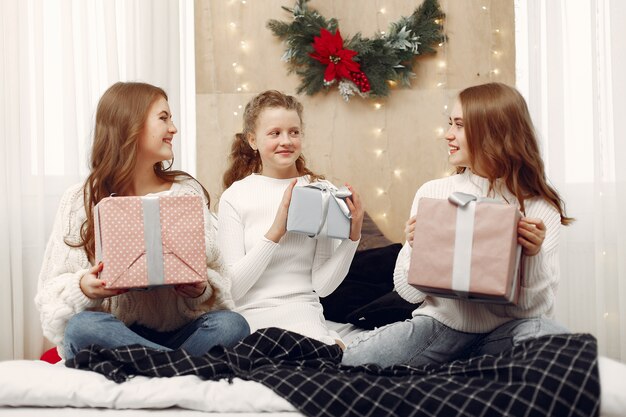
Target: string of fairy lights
(392, 174)
(395, 174)
(244, 47)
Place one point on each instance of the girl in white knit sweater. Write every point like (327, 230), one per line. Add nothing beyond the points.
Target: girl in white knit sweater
(492, 143)
(278, 276)
(133, 136)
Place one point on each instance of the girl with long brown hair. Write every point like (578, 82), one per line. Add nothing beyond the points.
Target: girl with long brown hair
(132, 144)
(278, 276)
(492, 144)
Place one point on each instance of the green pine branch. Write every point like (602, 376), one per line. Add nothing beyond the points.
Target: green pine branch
(382, 58)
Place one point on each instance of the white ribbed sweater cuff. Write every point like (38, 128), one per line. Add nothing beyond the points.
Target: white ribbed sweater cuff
(76, 297)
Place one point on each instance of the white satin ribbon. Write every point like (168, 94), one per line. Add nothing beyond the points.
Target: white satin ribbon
(153, 240)
(463, 239)
(462, 261)
(327, 191)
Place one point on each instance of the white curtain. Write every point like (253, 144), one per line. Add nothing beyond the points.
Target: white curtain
(571, 66)
(58, 57)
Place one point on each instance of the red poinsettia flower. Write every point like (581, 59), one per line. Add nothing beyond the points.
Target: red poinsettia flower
(329, 51)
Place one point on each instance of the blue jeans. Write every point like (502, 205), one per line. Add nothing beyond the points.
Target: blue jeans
(424, 340)
(213, 328)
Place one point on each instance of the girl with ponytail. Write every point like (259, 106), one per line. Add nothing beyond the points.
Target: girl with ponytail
(278, 276)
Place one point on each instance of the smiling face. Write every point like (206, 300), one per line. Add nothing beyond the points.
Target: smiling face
(458, 151)
(277, 136)
(155, 141)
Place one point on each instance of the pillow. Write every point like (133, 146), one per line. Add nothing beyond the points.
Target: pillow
(51, 356)
(366, 289)
(389, 308)
(371, 236)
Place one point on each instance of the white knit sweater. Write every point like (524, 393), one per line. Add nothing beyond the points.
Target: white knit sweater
(277, 284)
(59, 296)
(541, 272)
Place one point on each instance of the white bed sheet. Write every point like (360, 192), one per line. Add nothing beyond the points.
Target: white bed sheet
(95, 412)
(612, 389)
(37, 383)
(27, 385)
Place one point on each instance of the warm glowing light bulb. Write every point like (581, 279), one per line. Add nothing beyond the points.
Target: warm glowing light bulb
(379, 152)
(440, 131)
(378, 131)
(383, 11)
(442, 64)
(377, 106)
(380, 191)
(232, 25)
(484, 7)
(397, 173)
(235, 113)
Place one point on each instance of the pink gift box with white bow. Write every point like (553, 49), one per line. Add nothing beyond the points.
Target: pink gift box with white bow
(466, 247)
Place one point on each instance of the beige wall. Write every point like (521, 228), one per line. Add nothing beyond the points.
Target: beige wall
(386, 153)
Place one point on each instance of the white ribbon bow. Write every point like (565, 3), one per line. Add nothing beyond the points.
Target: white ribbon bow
(328, 190)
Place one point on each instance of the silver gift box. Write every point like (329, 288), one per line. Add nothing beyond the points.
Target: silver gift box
(319, 209)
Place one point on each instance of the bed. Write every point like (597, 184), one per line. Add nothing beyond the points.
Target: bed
(37, 388)
(278, 373)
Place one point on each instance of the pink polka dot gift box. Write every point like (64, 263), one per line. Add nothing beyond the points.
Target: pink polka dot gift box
(150, 241)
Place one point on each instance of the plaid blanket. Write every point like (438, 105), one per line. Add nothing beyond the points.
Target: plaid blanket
(548, 376)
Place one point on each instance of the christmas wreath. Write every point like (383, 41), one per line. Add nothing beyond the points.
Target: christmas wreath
(317, 52)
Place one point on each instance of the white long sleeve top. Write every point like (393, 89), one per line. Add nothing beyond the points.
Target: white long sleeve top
(59, 296)
(277, 284)
(541, 272)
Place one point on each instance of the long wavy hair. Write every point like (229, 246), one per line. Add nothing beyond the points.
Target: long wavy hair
(120, 120)
(503, 144)
(243, 160)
